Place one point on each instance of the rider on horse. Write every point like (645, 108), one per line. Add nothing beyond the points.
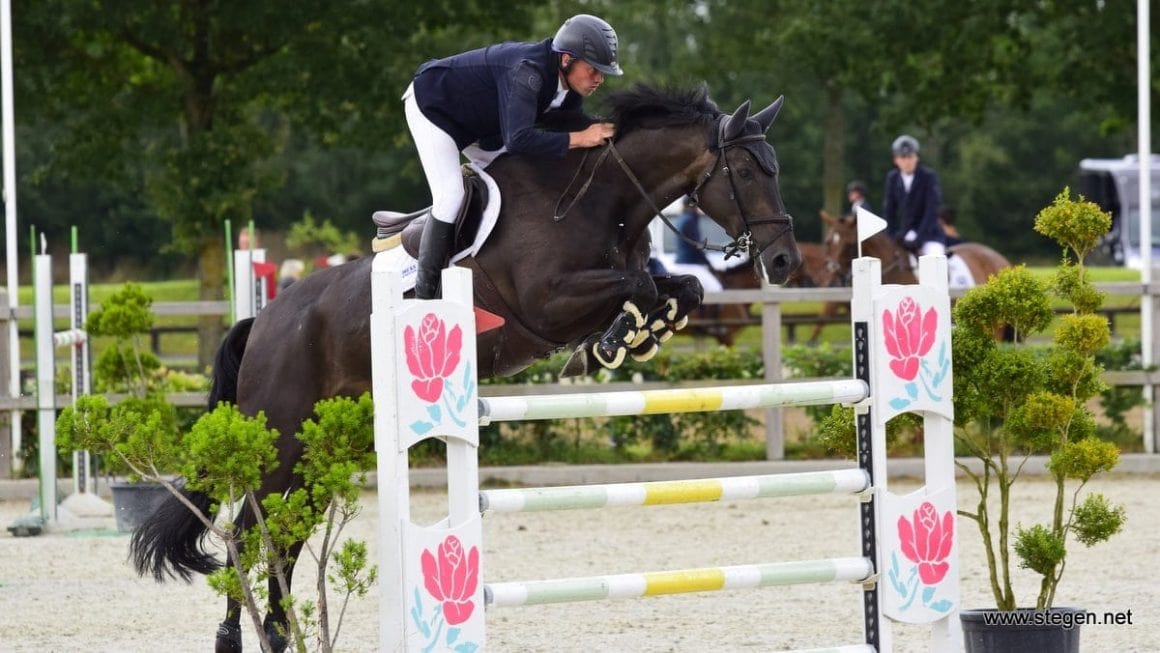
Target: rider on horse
(488, 101)
(912, 200)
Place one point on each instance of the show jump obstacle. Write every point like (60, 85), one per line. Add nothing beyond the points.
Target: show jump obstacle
(424, 365)
(47, 341)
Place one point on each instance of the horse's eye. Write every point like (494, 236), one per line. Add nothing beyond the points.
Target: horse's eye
(745, 173)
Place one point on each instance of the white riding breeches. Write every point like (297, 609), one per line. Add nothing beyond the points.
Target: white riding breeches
(933, 247)
(440, 158)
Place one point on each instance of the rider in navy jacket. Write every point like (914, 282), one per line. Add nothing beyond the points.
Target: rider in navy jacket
(495, 96)
(491, 100)
(913, 213)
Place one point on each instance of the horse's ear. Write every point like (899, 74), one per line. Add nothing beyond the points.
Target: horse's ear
(766, 116)
(827, 218)
(735, 125)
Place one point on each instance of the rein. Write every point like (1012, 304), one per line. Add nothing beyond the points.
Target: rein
(743, 243)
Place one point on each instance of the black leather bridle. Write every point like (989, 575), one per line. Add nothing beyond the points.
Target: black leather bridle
(744, 242)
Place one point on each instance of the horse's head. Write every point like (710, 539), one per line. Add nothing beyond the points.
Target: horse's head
(740, 192)
(840, 244)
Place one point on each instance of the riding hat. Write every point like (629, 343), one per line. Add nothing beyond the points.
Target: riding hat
(857, 185)
(591, 39)
(904, 145)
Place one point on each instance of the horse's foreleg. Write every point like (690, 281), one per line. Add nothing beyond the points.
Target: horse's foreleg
(586, 298)
(678, 296)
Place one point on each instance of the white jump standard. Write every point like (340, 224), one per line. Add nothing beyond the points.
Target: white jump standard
(433, 592)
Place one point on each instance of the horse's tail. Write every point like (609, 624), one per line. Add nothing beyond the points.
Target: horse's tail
(228, 361)
(171, 542)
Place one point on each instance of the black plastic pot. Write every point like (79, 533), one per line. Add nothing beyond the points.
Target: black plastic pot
(133, 503)
(1021, 631)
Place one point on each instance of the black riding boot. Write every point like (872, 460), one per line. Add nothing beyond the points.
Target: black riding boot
(434, 251)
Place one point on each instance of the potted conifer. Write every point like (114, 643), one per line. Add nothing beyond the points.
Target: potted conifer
(1015, 400)
(126, 366)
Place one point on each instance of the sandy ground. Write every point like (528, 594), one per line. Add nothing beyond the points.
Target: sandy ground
(70, 592)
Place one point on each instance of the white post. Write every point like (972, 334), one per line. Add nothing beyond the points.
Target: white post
(45, 387)
(249, 290)
(84, 480)
(8, 138)
(424, 376)
(1144, 158)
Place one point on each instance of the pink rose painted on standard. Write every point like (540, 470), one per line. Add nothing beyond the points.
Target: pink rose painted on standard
(909, 336)
(452, 578)
(432, 355)
(927, 540)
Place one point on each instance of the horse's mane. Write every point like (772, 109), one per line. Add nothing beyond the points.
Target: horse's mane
(643, 106)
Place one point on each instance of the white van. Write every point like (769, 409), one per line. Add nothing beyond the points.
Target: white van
(1114, 184)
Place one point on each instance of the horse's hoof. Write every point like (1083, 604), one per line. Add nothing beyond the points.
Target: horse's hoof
(639, 339)
(610, 357)
(645, 350)
(229, 638)
(277, 640)
(637, 317)
(275, 634)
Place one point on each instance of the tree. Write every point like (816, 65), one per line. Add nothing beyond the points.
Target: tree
(203, 93)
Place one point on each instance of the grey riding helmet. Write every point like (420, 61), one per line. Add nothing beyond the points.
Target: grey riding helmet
(904, 145)
(591, 39)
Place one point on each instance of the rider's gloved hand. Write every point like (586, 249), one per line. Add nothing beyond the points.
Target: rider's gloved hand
(910, 237)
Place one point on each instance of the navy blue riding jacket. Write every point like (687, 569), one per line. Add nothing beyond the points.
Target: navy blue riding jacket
(918, 209)
(495, 96)
(689, 224)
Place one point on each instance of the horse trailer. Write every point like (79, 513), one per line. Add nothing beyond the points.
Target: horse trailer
(1114, 184)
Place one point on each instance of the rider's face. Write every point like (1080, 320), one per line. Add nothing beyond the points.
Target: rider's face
(583, 78)
(906, 163)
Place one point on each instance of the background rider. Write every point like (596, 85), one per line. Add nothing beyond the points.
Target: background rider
(912, 200)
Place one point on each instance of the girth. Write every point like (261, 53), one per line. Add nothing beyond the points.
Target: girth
(515, 336)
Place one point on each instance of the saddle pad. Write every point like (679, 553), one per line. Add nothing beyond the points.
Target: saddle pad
(405, 263)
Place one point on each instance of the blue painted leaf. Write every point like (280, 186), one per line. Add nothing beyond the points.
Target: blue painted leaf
(912, 390)
(452, 635)
(421, 427)
(898, 403)
(417, 617)
(435, 412)
(927, 594)
(461, 403)
(942, 606)
(467, 647)
(899, 586)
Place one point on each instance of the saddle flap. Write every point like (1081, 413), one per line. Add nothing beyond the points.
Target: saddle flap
(466, 223)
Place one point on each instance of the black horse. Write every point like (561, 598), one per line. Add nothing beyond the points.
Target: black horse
(558, 283)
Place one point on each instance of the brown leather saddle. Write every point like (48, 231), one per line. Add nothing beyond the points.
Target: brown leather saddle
(409, 227)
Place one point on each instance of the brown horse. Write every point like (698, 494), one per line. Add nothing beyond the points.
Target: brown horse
(897, 265)
(558, 283)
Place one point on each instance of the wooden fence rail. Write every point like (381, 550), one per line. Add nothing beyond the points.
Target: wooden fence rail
(772, 318)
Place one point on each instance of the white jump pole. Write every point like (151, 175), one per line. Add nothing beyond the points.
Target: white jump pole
(47, 340)
(84, 480)
(45, 386)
